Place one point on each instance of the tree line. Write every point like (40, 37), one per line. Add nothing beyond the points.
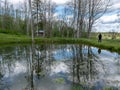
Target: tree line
(76, 19)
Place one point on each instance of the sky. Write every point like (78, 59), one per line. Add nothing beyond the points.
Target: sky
(107, 23)
(56, 1)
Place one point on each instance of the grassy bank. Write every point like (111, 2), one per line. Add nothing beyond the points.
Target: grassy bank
(112, 45)
(8, 39)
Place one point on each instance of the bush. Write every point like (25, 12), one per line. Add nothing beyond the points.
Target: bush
(13, 32)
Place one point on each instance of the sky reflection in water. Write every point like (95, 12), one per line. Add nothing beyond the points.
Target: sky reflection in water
(58, 67)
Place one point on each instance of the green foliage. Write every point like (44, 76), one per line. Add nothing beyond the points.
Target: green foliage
(55, 33)
(66, 32)
(12, 32)
(12, 25)
(7, 22)
(84, 34)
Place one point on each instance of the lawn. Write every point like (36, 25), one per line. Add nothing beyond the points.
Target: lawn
(109, 44)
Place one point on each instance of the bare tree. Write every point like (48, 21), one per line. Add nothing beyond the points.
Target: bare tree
(79, 15)
(31, 19)
(96, 9)
(43, 14)
(85, 13)
(26, 17)
(36, 4)
(1, 9)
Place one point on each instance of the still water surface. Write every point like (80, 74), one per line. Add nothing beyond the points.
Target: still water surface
(58, 67)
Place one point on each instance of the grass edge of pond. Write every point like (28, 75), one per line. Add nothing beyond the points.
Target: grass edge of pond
(105, 44)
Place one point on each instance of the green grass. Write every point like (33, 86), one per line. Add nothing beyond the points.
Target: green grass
(112, 45)
(5, 38)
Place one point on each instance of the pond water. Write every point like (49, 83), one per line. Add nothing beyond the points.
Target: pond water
(58, 67)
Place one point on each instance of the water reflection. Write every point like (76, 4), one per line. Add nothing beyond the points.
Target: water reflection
(58, 67)
(99, 50)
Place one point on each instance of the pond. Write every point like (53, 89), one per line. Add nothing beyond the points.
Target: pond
(58, 67)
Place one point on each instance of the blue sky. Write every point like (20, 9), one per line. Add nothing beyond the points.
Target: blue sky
(108, 22)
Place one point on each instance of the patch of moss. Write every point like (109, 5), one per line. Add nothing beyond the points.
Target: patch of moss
(109, 88)
(60, 80)
(77, 88)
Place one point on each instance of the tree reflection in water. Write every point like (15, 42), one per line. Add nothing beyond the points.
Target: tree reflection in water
(75, 65)
(35, 68)
(84, 69)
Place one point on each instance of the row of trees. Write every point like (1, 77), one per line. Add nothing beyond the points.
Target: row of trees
(85, 13)
(76, 19)
(11, 18)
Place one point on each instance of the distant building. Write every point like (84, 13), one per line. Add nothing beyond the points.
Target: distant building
(41, 33)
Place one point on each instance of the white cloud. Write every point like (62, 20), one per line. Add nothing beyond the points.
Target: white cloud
(56, 1)
(60, 1)
(55, 15)
(15, 1)
(116, 6)
(108, 19)
(58, 67)
(108, 27)
(108, 22)
(115, 1)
